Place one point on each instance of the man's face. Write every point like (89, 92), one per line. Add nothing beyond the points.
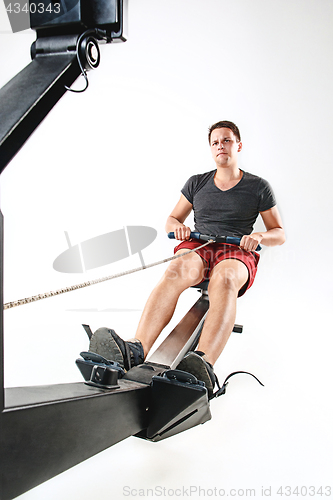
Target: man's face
(224, 147)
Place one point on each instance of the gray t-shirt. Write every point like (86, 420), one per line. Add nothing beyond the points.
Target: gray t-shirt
(227, 213)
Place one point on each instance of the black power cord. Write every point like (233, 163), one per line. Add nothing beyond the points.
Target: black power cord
(101, 35)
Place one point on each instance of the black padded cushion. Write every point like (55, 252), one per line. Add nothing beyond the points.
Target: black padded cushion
(202, 286)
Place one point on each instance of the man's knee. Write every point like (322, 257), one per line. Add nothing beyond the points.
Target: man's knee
(228, 276)
(223, 281)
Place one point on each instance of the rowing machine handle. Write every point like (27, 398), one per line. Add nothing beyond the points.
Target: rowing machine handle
(232, 240)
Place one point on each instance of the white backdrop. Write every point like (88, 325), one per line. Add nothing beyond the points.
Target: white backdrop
(118, 155)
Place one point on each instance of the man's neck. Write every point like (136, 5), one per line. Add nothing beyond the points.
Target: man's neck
(227, 174)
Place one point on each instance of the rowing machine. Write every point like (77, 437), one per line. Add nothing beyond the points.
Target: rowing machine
(178, 401)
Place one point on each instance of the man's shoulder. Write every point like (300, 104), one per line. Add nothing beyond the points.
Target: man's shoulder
(259, 186)
(197, 181)
(253, 179)
(204, 176)
(195, 184)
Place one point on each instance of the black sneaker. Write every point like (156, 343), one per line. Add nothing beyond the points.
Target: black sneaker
(108, 344)
(194, 363)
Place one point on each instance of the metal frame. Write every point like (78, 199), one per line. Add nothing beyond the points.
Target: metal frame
(184, 336)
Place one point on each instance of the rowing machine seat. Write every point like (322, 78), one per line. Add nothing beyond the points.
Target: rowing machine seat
(202, 286)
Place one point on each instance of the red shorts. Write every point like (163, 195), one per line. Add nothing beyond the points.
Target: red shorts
(214, 253)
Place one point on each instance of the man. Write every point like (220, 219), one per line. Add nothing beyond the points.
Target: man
(226, 201)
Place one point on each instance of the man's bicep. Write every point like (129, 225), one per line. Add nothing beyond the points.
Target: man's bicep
(182, 210)
(272, 218)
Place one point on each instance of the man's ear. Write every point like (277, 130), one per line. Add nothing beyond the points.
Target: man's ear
(240, 145)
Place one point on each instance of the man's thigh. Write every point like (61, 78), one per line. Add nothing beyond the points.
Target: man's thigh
(190, 267)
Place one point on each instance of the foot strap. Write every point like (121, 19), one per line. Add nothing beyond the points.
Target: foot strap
(221, 390)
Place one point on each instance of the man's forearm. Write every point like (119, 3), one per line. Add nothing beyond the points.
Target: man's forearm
(270, 238)
(172, 223)
(181, 231)
(273, 237)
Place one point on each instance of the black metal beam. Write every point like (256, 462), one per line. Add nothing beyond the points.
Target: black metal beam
(49, 429)
(29, 97)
